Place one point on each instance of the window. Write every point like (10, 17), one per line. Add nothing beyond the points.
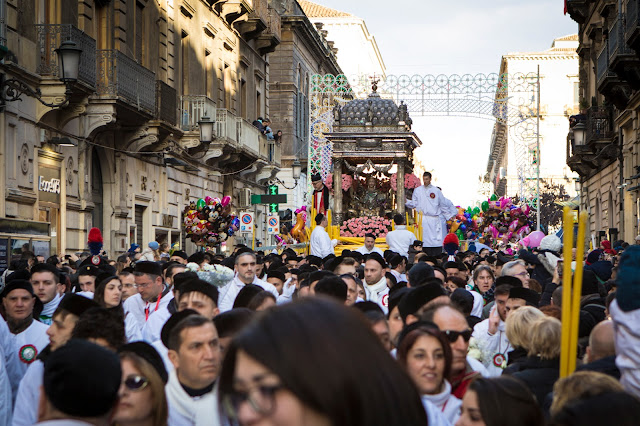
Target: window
(184, 46)
(139, 31)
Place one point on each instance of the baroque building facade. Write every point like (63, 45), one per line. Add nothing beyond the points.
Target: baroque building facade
(602, 143)
(558, 100)
(149, 72)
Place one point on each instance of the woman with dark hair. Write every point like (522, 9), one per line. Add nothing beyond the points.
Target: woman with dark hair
(425, 353)
(261, 301)
(109, 295)
(288, 376)
(142, 400)
(501, 401)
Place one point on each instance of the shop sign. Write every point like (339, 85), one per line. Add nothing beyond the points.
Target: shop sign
(52, 186)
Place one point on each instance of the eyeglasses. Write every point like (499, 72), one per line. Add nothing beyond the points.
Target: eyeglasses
(145, 285)
(261, 399)
(453, 335)
(522, 274)
(135, 382)
(129, 286)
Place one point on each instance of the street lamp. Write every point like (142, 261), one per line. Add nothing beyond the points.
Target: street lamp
(206, 130)
(69, 63)
(579, 133)
(296, 169)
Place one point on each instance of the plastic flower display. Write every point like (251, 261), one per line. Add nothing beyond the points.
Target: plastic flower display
(411, 181)
(347, 181)
(359, 226)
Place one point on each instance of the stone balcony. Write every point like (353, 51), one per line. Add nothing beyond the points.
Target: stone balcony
(600, 142)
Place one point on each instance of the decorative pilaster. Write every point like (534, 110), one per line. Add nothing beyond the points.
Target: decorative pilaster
(400, 197)
(337, 191)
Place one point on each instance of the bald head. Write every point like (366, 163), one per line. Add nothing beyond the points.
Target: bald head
(601, 343)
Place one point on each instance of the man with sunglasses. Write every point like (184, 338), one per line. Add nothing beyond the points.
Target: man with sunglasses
(453, 324)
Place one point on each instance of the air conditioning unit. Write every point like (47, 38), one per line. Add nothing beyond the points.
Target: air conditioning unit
(244, 198)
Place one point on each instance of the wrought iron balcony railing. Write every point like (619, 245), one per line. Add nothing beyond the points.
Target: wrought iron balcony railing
(631, 21)
(49, 38)
(602, 65)
(616, 42)
(599, 123)
(193, 108)
(166, 103)
(121, 76)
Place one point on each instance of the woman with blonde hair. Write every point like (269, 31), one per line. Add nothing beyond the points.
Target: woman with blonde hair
(541, 368)
(142, 400)
(581, 385)
(518, 327)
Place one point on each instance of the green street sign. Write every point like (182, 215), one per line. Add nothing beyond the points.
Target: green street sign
(268, 199)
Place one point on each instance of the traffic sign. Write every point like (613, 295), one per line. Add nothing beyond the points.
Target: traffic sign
(273, 224)
(246, 222)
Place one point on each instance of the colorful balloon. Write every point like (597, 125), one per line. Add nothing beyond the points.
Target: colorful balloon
(200, 205)
(485, 206)
(494, 197)
(535, 237)
(225, 201)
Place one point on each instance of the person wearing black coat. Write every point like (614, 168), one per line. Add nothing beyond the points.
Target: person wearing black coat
(541, 368)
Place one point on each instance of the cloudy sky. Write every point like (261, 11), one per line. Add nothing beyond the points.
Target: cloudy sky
(456, 37)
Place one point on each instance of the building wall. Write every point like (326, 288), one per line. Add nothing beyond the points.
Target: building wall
(303, 52)
(189, 47)
(609, 190)
(559, 77)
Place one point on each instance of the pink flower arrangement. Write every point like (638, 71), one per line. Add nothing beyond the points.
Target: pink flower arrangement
(347, 181)
(411, 181)
(359, 226)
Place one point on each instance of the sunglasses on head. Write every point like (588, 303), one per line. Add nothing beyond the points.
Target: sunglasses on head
(135, 382)
(453, 335)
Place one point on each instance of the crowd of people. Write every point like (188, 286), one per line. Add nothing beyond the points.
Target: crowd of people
(368, 337)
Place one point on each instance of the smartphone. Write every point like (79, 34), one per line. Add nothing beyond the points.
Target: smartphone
(560, 267)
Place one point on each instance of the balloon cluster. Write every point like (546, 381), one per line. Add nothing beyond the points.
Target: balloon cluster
(209, 221)
(505, 221)
(466, 223)
(298, 231)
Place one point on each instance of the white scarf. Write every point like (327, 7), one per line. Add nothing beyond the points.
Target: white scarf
(49, 309)
(200, 411)
(376, 288)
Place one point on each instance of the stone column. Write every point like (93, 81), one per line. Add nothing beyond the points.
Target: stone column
(400, 198)
(336, 209)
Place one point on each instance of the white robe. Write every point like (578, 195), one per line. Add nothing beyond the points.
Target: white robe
(378, 293)
(25, 412)
(11, 363)
(400, 239)
(320, 244)
(229, 292)
(429, 201)
(364, 251)
(185, 410)
(135, 305)
(492, 345)
(152, 328)
(28, 344)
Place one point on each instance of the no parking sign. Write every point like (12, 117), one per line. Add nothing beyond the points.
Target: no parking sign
(246, 222)
(273, 224)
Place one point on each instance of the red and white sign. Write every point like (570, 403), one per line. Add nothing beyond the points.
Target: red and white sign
(246, 222)
(273, 224)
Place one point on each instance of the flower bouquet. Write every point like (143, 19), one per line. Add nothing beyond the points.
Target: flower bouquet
(359, 226)
(411, 181)
(216, 275)
(347, 181)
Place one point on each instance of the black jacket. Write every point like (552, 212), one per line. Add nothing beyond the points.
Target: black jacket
(605, 365)
(539, 375)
